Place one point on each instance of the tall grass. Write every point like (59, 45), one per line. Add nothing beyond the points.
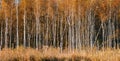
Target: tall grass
(52, 54)
(71, 24)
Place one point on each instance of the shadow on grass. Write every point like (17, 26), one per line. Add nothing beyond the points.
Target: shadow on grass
(66, 59)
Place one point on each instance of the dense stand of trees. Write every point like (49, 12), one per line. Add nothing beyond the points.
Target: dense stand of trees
(72, 24)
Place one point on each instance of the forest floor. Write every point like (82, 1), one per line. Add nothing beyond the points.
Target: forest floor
(52, 54)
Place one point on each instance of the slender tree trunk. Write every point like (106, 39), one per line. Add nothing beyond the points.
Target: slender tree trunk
(61, 34)
(17, 30)
(24, 27)
(10, 31)
(6, 32)
(1, 38)
(36, 32)
(37, 23)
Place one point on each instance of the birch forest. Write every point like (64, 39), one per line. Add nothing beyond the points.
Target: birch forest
(72, 25)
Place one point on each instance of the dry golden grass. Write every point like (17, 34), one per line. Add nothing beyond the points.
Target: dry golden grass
(52, 54)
